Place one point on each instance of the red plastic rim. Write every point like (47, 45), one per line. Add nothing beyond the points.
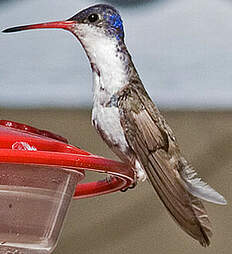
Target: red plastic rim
(51, 149)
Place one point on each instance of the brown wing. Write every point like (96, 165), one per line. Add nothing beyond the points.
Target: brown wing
(155, 147)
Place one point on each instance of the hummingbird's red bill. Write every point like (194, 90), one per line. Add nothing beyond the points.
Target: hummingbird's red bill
(67, 25)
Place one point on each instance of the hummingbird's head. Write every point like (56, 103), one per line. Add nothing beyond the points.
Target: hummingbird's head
(101, 19)
(99, 28)
(96, 21)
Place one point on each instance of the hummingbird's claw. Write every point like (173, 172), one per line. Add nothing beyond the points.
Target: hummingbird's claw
(132, 186)
(124, 190)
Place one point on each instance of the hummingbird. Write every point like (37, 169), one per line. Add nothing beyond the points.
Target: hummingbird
(130, 123)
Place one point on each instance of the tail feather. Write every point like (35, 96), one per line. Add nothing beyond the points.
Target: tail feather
(199, 188)
(186, 209)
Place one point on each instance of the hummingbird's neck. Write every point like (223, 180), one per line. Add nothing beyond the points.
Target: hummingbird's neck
(110, 62)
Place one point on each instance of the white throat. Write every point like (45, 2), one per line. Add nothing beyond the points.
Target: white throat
(108, 63)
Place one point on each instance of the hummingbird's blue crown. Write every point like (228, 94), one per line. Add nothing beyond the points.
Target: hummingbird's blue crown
(102, 16)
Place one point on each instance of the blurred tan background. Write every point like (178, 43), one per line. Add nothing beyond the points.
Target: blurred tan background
(136, 221)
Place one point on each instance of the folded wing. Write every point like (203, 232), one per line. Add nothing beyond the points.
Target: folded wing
(155, 147)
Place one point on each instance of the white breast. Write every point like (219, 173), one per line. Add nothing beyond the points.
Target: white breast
(106, 119)
(109, 76)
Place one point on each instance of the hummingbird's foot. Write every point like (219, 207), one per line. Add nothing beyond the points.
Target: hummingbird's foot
(124, 190)
(132, 186)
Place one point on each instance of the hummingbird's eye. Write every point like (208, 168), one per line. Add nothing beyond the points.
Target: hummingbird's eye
(93, 17)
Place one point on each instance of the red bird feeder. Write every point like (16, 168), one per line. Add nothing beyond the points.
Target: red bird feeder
(39, 174)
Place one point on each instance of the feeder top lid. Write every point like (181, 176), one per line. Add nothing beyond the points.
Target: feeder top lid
(19, 136)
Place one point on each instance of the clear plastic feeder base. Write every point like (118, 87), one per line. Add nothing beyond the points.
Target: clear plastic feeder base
(33, 203)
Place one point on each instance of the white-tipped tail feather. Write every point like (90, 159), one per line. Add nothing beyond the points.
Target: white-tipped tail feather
(200, 189)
